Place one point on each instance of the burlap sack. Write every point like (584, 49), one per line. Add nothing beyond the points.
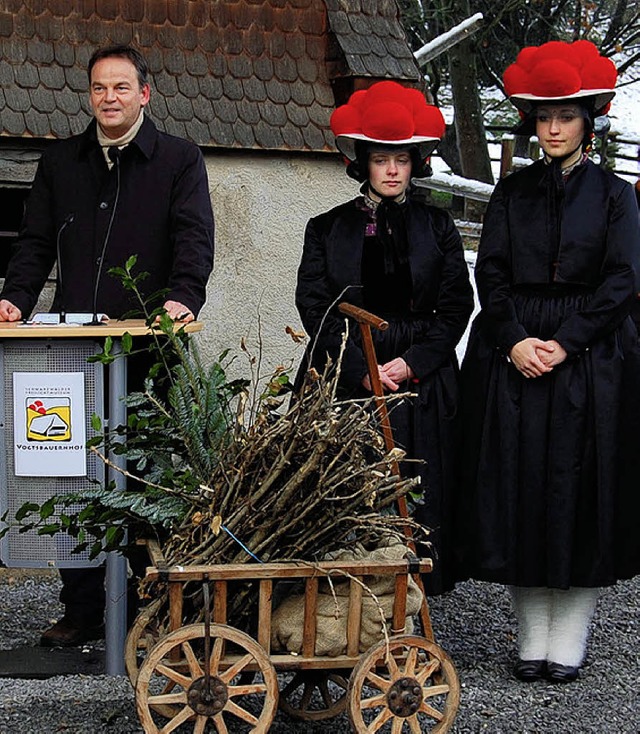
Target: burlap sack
(331, 639)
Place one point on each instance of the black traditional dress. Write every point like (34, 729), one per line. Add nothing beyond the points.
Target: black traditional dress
(549, 487)
(423, 290)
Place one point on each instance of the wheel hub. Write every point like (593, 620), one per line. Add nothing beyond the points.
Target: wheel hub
(207, 700)
(404, 697)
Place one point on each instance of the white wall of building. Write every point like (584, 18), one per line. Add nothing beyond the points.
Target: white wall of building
(261, 205)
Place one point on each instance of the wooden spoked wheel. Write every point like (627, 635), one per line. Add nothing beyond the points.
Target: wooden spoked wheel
(145, 632)
(407, 687)
(206, 695)
(143, 635)
(313, 695)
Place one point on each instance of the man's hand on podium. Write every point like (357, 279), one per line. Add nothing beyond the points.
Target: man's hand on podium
(178, 311)
(9, 312)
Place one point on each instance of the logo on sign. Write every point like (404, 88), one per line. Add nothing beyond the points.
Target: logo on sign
(48, 419)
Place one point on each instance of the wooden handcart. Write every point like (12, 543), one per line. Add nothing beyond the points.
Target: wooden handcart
(213, 677)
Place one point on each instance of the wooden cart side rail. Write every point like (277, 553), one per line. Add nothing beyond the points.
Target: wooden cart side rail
(353, 572)
(310, 619)
(287, 570)
(264, 614)
(288, 661)
(354, 616)
(399, 616)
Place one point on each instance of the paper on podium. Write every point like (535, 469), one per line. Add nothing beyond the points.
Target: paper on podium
(51, 319)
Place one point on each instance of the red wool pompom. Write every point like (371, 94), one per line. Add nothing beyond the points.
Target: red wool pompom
(388, 111)
(516, 80)
(600, 74)
(554, 78)
(346, 120)
(388, 121)
(429, 122)
(558, 69)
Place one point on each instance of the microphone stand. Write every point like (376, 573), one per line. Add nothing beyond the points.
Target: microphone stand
(69, 219)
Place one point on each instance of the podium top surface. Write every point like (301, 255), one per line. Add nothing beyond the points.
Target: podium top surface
(114, 328)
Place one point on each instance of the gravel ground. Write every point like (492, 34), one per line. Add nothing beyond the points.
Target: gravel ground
(473, 624)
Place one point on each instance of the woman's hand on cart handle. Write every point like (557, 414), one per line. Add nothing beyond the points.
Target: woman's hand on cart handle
(391, 374)
(525, 356)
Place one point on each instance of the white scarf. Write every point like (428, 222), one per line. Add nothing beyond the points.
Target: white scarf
(106, 143)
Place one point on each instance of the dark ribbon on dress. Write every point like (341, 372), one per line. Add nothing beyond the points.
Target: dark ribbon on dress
(392, 232)
(554, 180)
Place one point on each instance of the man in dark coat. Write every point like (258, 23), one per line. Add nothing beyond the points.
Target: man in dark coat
(162, 212)
(118, 189)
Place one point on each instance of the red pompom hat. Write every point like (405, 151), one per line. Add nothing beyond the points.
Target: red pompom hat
(390, 114)
(558, 71)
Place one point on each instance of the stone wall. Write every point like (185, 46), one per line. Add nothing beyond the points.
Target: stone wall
(261, 204)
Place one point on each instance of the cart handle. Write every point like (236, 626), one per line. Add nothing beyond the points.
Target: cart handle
(362, 316)
(366, 320)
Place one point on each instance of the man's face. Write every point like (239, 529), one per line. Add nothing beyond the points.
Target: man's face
(116, 96)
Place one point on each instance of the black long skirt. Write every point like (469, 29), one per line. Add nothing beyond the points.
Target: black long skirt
(548, 486)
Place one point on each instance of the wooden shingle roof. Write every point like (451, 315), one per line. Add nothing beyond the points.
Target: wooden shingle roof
(225, 73)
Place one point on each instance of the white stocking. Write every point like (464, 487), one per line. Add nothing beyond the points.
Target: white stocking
(533, 610)
(571, 614)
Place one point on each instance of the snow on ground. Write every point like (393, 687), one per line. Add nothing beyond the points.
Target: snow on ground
(470, 257)
(625, 123)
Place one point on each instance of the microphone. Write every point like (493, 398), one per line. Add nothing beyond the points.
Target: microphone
(114, 154)
(68, 220)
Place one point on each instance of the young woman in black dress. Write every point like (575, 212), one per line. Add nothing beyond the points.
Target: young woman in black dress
(390, 253)
(551, 373)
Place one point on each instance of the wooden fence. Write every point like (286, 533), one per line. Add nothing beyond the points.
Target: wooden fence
(621, 154)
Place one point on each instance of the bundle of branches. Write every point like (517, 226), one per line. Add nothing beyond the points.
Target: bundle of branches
(299, 486)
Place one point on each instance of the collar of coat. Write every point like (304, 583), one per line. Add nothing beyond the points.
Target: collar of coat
(541, 170)
(145, 140)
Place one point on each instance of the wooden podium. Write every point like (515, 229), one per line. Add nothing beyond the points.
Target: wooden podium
(39, 348)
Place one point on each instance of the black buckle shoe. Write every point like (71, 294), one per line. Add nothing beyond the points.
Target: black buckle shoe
(558, 673)
(530, 670)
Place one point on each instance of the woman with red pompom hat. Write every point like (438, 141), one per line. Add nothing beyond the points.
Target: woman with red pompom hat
(393, 255)
(550, 378)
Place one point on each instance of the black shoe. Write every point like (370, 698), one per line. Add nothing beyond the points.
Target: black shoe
(67, 634)
(557, 673)
(530, 670)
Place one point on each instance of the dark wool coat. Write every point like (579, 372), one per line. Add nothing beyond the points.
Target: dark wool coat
(550, 483)
(425, 336)
(163, 215)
